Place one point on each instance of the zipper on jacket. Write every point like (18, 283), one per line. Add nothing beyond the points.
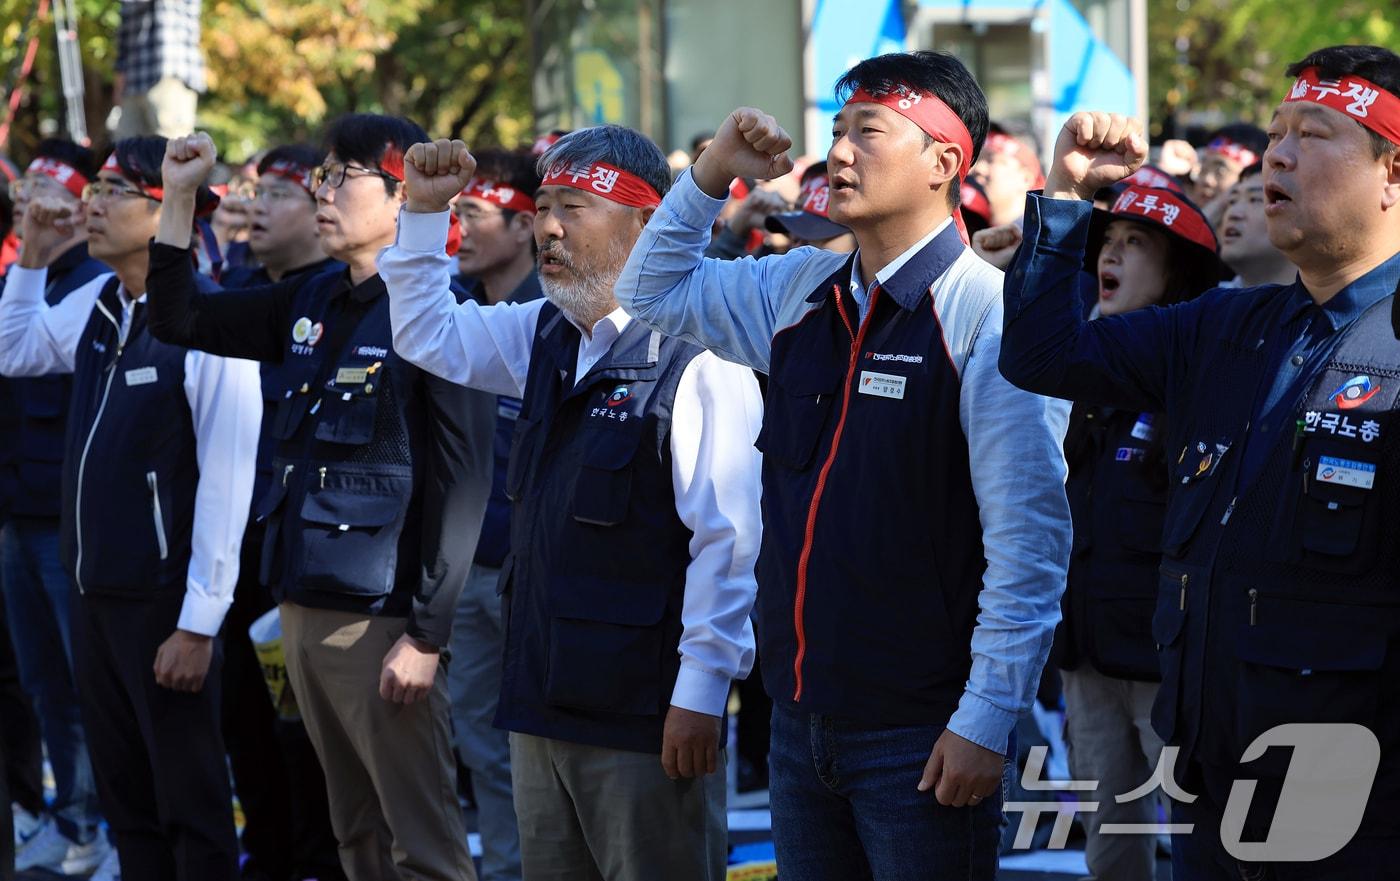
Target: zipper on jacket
(804, 559)
(1185, 580)
(82, 460)
(154, 484)
(1253, 606)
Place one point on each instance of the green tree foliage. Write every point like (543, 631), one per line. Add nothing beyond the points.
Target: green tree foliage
(1228, 56)
(280, 69)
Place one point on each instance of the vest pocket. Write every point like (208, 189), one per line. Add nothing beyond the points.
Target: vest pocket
(1168, 620)
(605, 645)
(350, 541)
(795, 414)
(521, 453)
(349, 422)
(1325, 523)
(1192, 488)
(1332, 675)
(603, 492)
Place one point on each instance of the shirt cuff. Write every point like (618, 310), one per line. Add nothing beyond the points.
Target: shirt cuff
(982, 722)
(700, 691)
(22, 283)
(1061, 225)
(201, 614)
(426, 233)
(691, 205)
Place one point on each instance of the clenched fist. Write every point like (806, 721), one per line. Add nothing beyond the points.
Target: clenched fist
(750, 143)
(48, 226)
(1094, 150)
(187, 164)
(434, 173)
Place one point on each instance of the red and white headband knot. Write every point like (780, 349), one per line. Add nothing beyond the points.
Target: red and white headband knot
(496, 193)
(72, 180)
(602, 179)
(1233, 151)
(1362, 100)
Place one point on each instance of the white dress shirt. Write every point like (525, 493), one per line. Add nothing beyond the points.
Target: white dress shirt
(858, 286)
(714, 467)
(225, 397)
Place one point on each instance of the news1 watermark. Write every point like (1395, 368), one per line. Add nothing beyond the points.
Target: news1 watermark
(1319, 810)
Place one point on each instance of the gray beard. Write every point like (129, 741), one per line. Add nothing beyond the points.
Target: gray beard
(589, 298)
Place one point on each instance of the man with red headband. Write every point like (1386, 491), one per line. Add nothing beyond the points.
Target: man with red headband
(157, 479)
(1276, 599)
(915, 525)
(379, 481)
(1007, 169)
(635, 521)
(38, 595)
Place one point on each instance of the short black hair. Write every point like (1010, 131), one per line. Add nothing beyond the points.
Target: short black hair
(510, 167)
(813, 170)
(364, 138)
(74, 155)
(140, 159)
(938, 72)
(699, 139)
(304, 155)
(1251, 170)
(1380, 66)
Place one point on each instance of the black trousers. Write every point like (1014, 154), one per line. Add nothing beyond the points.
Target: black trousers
(158, 754)
(7, 818)
(21, 746)
(287, 825)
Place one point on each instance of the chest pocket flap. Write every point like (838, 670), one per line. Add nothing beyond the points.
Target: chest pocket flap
(603, 493)
(800, 399)
(350, 541)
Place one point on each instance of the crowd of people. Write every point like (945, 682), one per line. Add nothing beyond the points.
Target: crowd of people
(531, 457)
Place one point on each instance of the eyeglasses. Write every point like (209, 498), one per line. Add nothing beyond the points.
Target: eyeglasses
(105, 190)
(279, 195)
(334, 174)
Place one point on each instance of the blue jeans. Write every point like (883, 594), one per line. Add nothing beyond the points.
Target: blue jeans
(39, 600)
(846, 806)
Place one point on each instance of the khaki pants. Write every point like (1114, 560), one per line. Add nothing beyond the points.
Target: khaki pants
(589, 813)
(390, 774)
(1108, 728)
(167, 109)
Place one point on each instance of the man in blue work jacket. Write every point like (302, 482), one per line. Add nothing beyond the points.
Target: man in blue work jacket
(1277, 596)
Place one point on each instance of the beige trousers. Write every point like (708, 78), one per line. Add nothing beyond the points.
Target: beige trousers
(391, 777)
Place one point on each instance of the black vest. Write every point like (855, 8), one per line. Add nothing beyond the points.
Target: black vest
(130, 470)
(872, 557)
(1286, 608)
(350, 427)
(1117, 491)
(596, 577)
(42, 408)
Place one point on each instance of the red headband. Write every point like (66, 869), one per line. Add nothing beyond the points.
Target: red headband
(605, 180)
(1233, 151)
(391, 163)
(815, 195)
(491, 191)
(292, 171)
(1362, 100)
(997, 142)
(1166, 209)
(114, 166)
(71, 179)
(1154, 177)
(933, 117)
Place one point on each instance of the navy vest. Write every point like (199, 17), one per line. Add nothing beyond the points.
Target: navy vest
(349, 427)
(1117, 490)
(129, 469)
(596, 577)
(42, 407)
(1286, 607)
(872, 558)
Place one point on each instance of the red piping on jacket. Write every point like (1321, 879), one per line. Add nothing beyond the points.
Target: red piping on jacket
(857, 341)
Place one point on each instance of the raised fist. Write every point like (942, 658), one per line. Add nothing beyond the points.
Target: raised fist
(188, 161)
(1094, 150)
(47, 226)
(997, 244)
(749, 143)
(434, 173)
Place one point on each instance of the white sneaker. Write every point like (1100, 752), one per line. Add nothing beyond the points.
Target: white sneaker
(27, 826)
(110, 870)
(52, 850)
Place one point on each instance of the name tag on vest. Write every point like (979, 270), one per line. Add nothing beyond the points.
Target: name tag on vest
(142, 376)
(882, 385)
(1346, 472)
